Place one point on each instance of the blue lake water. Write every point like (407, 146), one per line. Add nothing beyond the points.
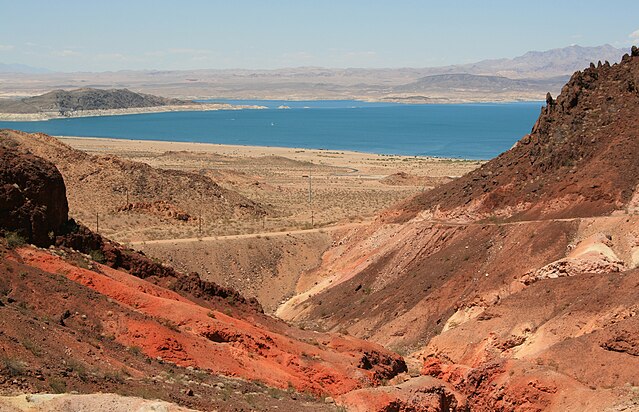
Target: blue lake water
(471, 131)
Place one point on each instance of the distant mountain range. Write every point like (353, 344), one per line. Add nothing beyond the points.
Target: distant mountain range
(544, 64)
(21, 68)
(485, 83)
(526, 77)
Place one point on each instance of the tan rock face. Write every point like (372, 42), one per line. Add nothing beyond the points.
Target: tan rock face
(592, 255)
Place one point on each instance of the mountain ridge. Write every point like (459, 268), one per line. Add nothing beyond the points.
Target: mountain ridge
(312, 83)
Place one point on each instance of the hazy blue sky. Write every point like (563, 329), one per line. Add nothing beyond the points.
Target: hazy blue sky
(71, 35)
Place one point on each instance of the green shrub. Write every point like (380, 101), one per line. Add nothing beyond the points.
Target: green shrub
(13, 367)
(97, 256)
(15, 239)
(57, 385)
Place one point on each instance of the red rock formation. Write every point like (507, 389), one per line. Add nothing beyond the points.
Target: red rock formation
(167, 315)
(183, 332)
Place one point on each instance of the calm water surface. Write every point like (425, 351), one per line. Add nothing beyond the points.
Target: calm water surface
(471, 131)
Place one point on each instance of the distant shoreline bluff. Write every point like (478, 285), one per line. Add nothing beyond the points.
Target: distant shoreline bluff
(201, 107)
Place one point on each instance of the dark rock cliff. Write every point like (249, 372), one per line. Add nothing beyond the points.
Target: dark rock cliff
(32, 197)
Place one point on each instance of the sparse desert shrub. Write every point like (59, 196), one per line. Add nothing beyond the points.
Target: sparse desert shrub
(14, 239)
(31, 347)
(115, 377)
(79, 369)
(13, 367)
(97, 256)
(169, 324)
(57, 385)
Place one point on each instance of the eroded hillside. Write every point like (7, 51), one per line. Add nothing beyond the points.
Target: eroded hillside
(133, 200)
(513, 286)
(87, 315)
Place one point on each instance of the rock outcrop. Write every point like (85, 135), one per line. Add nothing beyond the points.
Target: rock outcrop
(32, 197)
(578, 160)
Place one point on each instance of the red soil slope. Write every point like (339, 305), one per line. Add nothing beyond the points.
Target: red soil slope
(187, 334)
(56, 335)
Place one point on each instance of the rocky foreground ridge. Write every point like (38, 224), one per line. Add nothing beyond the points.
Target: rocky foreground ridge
(514, 287)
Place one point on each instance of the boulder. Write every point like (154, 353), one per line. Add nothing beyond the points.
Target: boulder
(33, 198)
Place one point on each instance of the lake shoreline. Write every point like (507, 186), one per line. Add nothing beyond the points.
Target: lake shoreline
(475, 131)
(113, 145)
(200, 107)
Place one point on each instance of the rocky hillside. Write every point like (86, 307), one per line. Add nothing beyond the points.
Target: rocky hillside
(88, 315)
(68, 101)
(514, 287)
(157, 198)
(580, 157)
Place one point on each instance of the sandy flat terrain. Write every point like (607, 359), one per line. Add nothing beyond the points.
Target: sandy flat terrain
(344, 186)
(367, 162)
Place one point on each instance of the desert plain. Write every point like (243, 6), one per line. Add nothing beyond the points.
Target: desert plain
(305, 199)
